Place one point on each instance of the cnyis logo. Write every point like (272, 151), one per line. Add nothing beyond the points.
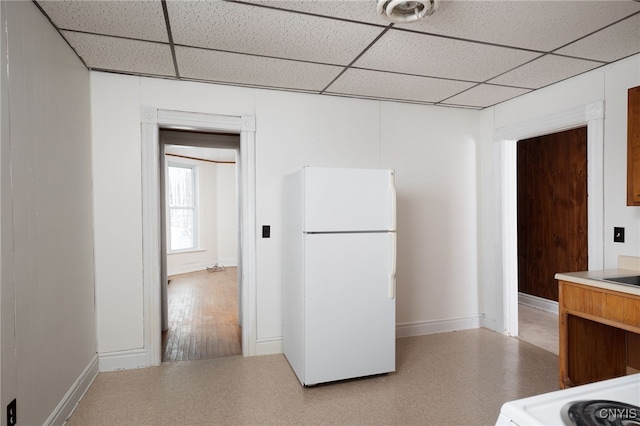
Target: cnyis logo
(617, 414)
(600, 413)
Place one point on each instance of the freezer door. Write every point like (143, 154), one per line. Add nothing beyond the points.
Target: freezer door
(344, 200)
(349, 309)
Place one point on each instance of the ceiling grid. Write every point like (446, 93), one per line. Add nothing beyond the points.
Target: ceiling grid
(468, 54)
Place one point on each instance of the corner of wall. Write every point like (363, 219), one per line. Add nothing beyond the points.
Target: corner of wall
(70, 401)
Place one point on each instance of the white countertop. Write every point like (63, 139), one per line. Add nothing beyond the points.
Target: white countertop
(596, 279)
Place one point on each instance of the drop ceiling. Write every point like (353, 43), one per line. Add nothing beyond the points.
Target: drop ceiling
(470, 54)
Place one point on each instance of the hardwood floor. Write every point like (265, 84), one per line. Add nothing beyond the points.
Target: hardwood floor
(203, 316)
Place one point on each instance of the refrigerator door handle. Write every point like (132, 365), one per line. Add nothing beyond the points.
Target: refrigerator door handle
(392, 275)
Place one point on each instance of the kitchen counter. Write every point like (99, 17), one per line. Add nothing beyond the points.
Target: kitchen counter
(599, 324)
(597, 279)
(627, 266)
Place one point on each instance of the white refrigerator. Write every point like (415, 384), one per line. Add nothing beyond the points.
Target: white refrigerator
(339, 247)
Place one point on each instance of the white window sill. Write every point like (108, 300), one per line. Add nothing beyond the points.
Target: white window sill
(196, 250)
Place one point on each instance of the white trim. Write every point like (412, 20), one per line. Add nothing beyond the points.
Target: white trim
(594, 115)
(270, 346)
(509, 175)
(185, 120)
(247, 229)
(151, 241)
(546, 305)
(200, 266)
(421, 328)
(152, 120)
(70, 401)
(275, 346)
(591, 115)
(231, 262)
(124, 360)
(489, 323)
(565, 120)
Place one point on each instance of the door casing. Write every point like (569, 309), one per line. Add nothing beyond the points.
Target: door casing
(152, 119)
(591, 115)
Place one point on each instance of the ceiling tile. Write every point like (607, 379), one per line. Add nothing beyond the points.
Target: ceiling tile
(304, 44)
(618, 41)
(485, 95)
(538, 25)
(237, 68)
(544, 71)
(431, 56)
(262, 31)
(122, 55)
(141, 19)
(386, 85)
(354, 10)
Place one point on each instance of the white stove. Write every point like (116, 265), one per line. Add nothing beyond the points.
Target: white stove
(608, 402)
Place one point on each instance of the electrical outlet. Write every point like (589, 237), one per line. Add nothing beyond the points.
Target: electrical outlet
(11, 413)
(618, 235)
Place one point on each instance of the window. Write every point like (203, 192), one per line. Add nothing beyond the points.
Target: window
(182, 198)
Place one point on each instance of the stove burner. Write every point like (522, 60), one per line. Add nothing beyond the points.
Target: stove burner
(600, 413)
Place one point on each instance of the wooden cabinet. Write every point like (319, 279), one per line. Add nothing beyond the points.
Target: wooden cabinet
(599, 333)
(633, 148)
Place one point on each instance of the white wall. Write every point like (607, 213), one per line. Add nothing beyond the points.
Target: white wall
(117, 198)
(434, 157)
(227, 213)
(608, 84)
(8, 379)
(433, 151)
(47, 229)
(217, 219)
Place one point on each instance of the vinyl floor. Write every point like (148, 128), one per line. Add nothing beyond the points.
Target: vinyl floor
(539, 328)
(456, 378)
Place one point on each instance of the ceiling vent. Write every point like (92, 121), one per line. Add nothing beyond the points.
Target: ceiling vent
(406, 10)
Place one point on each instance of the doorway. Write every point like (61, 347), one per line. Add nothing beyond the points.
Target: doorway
(200, 310)
(152, 120)
(552, 210)
(591, 115)
(552, 227)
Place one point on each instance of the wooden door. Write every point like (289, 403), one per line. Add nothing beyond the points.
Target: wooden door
(552, 210)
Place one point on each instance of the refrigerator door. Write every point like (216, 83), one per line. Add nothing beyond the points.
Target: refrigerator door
(347, 200)
(350, 311)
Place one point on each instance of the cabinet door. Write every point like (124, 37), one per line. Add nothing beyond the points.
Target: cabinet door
(633, 148)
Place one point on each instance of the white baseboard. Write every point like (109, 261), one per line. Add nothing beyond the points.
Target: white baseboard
(199, 266)
(269, 346)
(124, 360)
(231, 263)
(70, 401)
(490, 324)
(439, 326)
(538, 303)
(275, 346)
(137, 358)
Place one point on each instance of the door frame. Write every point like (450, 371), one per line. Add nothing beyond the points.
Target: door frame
(590, 115)
(152, 119)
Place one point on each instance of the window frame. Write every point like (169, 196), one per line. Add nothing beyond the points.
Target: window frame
(195, 173)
